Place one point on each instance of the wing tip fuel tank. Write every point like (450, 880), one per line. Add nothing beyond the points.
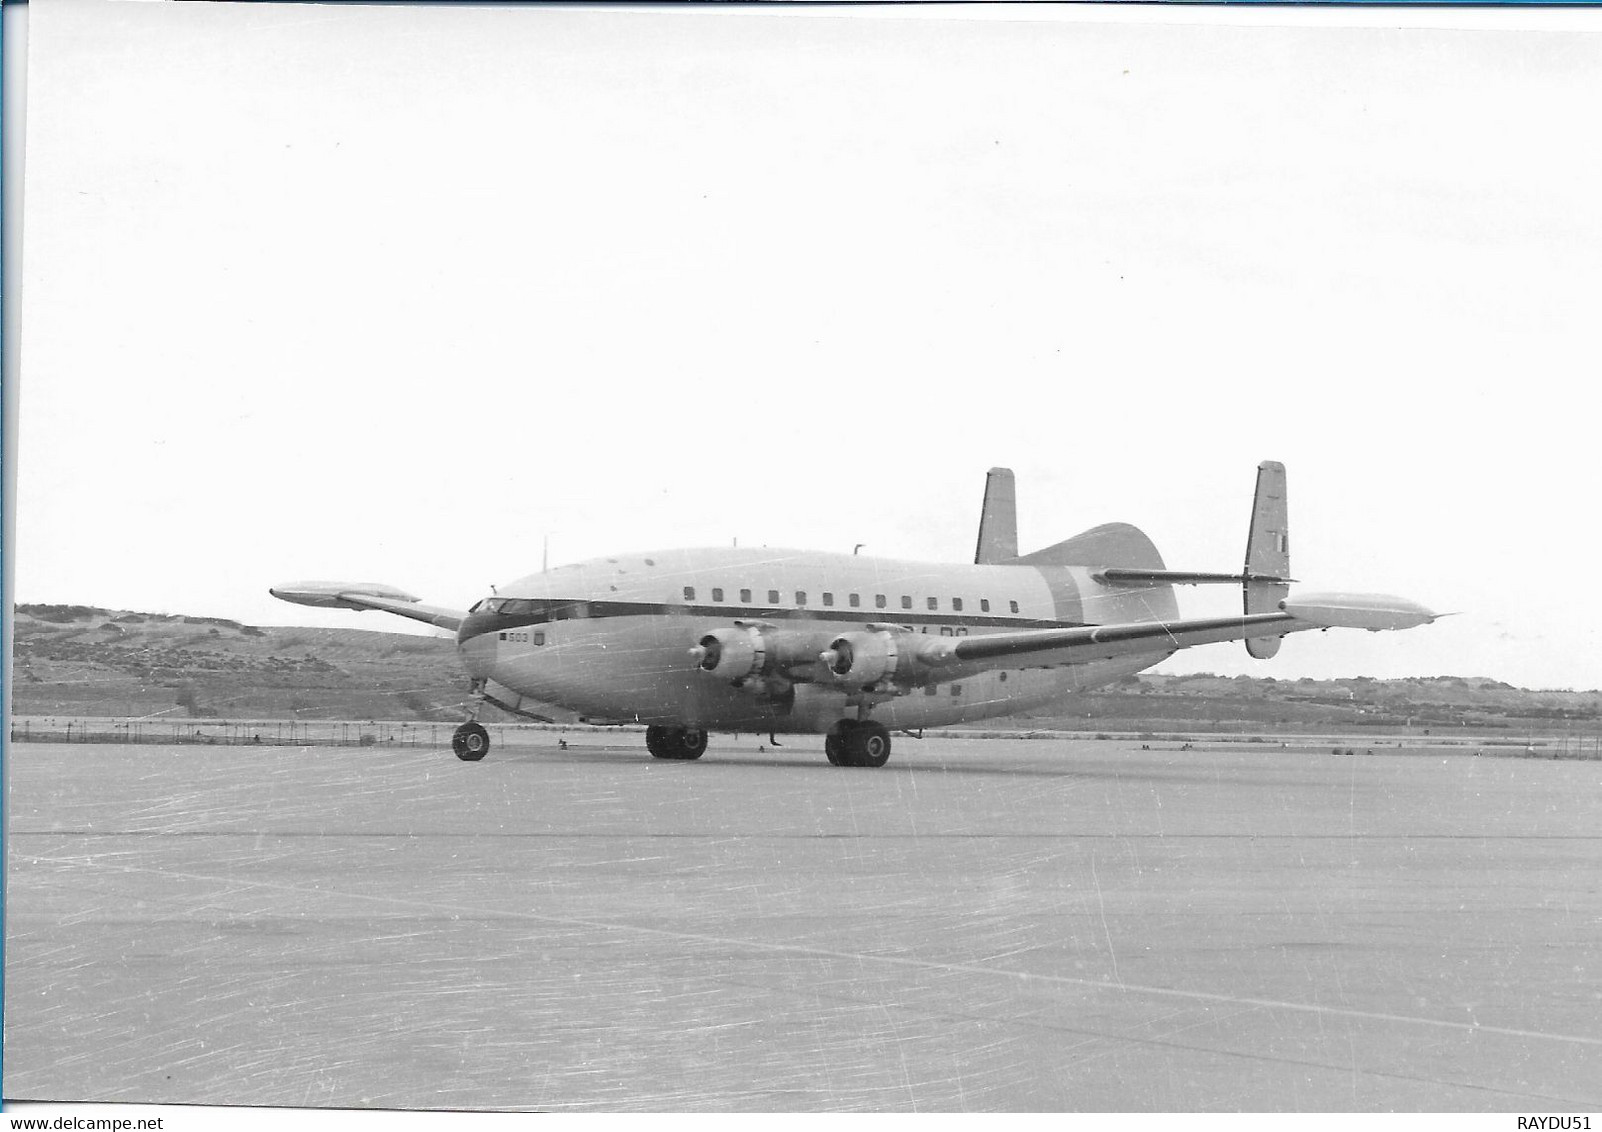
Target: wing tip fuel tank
(331, 595)
(1374, 612)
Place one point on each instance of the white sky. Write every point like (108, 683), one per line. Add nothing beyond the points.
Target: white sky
(395, 293)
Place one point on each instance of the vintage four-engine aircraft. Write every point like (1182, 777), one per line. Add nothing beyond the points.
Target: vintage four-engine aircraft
(692, 641)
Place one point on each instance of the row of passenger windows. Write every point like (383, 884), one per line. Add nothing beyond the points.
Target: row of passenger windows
(853, 601)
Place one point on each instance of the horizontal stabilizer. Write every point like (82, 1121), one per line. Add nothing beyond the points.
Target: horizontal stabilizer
(1374, 612)
(368, 595)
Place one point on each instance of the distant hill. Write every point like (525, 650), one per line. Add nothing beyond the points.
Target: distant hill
(82, 661)
(1204, 702)
(79, 660)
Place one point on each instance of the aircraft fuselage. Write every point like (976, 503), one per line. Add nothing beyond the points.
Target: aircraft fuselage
(612, 638)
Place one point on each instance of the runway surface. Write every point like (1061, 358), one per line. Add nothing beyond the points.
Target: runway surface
(979, 925)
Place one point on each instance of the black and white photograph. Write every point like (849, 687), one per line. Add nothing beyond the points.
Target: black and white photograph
(591, 558)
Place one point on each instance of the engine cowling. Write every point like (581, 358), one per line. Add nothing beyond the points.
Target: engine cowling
(863, 658)
(732, 654)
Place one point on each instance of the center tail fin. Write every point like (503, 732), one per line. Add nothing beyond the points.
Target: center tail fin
(1267, 553)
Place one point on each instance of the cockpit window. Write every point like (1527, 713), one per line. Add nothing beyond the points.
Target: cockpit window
(534, 610)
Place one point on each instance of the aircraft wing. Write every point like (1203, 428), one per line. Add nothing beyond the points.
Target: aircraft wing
(1031, 647)
(368, 595)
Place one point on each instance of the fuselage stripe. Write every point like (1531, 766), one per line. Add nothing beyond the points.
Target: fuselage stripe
(477, 624)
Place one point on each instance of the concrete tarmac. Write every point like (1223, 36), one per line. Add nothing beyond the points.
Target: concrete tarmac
(980, 925)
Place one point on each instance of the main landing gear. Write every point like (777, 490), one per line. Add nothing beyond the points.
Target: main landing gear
(675, 742)
(470, 742)
(853, 742)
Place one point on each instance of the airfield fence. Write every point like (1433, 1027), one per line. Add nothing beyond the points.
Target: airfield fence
(256, 732)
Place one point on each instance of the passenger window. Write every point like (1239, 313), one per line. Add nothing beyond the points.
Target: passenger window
(717, 593)
(956, 689)
(1014, 606)
(854, 600)
(773, 597)
(906, 602)
(878, 601)
(956, 604)
(930, 690)
(539, 638)
(689, 593)
(828, 599)
(745, 595)
(934, 603)
(984, 605)
(800, 597)
(945, 630)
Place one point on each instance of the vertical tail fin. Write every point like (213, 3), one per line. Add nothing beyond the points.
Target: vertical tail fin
(998, 520)
(1267, 552)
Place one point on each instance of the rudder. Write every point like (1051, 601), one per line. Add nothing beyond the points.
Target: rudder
(1267, 552)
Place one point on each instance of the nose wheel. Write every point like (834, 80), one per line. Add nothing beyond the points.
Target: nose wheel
(470, 742)
(857, 743)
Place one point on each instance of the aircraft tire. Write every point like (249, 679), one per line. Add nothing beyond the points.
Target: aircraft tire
(680, 743)
(470, 742)
(691, 742)
(867, 744)
(832, 749)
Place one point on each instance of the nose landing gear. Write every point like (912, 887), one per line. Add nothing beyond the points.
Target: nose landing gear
(853, 742)
(470, 742)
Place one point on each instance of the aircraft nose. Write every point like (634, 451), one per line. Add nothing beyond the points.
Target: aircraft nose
(478, 654)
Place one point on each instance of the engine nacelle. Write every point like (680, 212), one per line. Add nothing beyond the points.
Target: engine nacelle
(732, 654)
(863, 658)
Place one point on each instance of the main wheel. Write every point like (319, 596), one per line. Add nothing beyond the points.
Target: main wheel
(833, 749)
(470, 742)
(675, 742)
(867, 744)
